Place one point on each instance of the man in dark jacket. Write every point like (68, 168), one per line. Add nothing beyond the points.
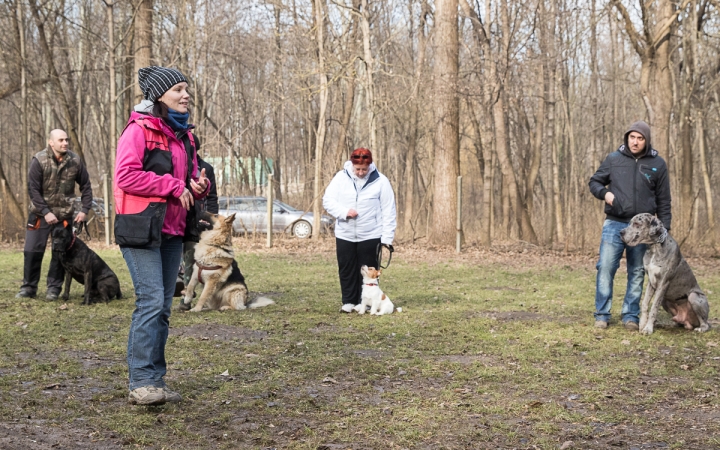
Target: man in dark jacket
(52, 176)
(632, 180)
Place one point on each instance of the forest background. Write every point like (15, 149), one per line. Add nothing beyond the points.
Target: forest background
(521, 99)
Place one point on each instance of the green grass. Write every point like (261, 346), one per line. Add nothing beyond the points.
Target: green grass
(490, 351)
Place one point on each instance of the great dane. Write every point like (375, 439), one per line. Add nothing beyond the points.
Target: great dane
(670, 279)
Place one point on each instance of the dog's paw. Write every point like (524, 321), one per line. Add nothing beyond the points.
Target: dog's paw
(196, 309)
(646, 331)
(65, 297)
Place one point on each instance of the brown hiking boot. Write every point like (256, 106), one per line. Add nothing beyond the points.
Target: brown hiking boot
(631, 326)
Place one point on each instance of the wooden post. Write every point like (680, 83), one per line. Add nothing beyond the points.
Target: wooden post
(106, 201)
(269, 195)
(458, 240)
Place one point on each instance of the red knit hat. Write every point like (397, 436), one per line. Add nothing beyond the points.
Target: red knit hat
(361, 156)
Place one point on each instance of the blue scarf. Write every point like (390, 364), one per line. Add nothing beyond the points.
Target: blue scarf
(178, 121)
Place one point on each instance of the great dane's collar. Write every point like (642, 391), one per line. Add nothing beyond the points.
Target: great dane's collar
(663, 236)
(71, 242)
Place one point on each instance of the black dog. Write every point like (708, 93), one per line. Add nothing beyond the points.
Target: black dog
(83, 264)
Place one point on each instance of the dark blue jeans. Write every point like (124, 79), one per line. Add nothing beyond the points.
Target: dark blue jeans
(611, 250)
(154, 272)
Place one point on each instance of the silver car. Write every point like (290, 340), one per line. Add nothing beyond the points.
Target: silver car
(251, 217)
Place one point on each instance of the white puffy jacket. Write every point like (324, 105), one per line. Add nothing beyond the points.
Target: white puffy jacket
(374, 202)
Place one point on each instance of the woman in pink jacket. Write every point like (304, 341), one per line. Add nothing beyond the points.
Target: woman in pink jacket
(156, 183)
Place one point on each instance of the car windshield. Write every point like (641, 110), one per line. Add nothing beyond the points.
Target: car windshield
(237, 204)
(286, 206)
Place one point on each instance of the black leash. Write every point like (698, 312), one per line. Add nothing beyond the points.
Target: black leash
(78, 228)
(380, 253)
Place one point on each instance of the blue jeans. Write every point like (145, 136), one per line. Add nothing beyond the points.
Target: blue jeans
(154, 272)
(611, 250)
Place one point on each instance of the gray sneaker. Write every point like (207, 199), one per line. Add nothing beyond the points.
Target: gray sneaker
(52, 294)
(601, 324)
(25, 294)
(147, 395)
(171, 396)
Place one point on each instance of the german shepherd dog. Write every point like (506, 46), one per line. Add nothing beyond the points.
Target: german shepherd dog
(84, 265)
(216, 269)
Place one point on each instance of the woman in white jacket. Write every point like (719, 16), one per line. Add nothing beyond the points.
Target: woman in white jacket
(363, 204)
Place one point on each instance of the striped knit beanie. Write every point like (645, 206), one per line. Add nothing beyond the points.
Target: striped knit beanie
(155, 81)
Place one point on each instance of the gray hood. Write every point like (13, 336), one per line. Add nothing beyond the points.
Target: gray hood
(642, 128)
(146, 106)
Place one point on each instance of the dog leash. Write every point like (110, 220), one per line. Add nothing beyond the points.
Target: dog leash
(77, 230)
(380, 252)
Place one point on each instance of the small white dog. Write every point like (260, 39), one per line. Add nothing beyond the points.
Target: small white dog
(372, 295)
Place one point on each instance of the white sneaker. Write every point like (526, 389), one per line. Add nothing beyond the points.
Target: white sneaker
(347, 308)
(147, 395)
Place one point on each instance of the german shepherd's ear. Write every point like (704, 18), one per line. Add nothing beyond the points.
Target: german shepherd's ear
(230, 219)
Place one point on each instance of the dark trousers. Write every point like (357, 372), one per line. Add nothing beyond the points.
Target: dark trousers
(35, 243)
(188, 261)
(351, 256)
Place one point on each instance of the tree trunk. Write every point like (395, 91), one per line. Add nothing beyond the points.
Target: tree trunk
(656, 85)
(279, 108)
(408, 207)
(369, 83)
(706, 177)
(320, 141)
(24, 164)
(447, 110)
(487, 167)
(55, 78)
(143, 42)
(112, 106)
(536, 145)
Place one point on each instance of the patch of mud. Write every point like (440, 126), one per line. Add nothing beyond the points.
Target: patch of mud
(501, 288)
(218, 332)
(374, 354)
(513, 315)
(466, 359)
(322, 327)
(270, 294)
(32, 435)
(88, 360)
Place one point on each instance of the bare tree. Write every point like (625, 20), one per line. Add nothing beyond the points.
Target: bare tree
(447, 129)
(321, 127)
(142, 41)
